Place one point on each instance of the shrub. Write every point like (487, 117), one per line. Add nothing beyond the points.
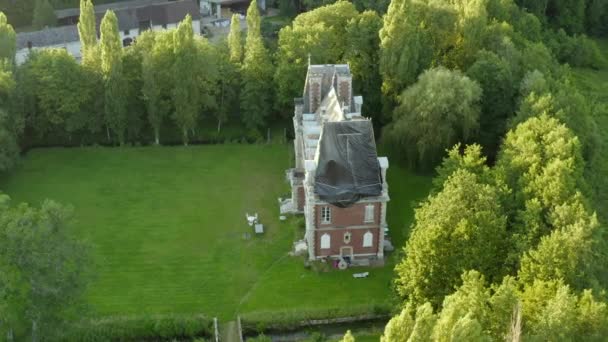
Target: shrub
(255, 323)
(138, 328)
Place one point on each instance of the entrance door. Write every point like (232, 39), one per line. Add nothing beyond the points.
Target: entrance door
(346, 251)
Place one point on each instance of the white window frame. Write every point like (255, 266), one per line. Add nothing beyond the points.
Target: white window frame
(325, 241)
(325, 215)
(368, 239)
(370, 212)
(348, 237)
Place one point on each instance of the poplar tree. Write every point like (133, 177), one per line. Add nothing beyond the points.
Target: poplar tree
(256, 92)
(8, 44)
(111, 67)
(235, 43)
(88, 34)
(186, 95)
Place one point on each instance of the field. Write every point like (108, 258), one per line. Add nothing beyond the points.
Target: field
(168, 224)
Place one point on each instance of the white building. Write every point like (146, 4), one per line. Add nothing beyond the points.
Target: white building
(133, 17)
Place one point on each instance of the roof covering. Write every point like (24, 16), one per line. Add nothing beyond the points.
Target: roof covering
(347, 165)
(115, 6)
(131, 13)
(48, 37)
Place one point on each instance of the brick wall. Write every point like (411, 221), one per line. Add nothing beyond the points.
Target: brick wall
(351, 216)
(337, 241)
(301, 198)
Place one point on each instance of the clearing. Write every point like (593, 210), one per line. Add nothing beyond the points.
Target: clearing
(168, 226)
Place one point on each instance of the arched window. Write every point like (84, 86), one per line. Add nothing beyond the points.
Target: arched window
(368, 239)
(325, 241)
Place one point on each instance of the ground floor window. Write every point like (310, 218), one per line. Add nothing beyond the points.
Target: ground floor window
(368, 239)
(325, 241)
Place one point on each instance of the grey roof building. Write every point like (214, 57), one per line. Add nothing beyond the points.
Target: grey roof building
(47, 37)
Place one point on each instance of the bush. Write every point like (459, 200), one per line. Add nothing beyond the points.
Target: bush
(138, 328)
(256, 323)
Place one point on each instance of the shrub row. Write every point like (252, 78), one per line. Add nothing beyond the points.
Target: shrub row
(255, 323)
(142, 328)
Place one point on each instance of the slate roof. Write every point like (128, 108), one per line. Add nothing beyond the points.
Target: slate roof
(131, 13)
(347, 163)
(48, 37)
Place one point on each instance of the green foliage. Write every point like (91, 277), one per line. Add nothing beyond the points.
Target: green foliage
(324, 35)
(348, 337)
(133, 328)
(9, 120)
(363, 57)
(494, 75)
(441, 109)
(44, 15)
(34, 240)
(577, 50)
(235, 40)
(115, 99)
(256, 72)
(461, 227)
(54, 92)
(8, 38)
(88, 35)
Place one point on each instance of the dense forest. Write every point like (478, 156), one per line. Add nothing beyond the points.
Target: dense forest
(511, 242)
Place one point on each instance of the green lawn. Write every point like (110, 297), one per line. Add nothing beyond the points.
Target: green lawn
(167, 224)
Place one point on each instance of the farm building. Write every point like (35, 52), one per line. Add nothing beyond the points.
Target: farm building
(339, 182)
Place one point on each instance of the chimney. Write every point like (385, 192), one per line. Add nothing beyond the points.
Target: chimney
(345, 89)
(314, 92)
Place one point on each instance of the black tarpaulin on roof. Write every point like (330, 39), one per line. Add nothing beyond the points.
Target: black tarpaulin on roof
(347, 168)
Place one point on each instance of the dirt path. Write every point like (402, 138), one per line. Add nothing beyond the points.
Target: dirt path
(229, 332)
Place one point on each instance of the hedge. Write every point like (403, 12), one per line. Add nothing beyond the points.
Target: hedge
(255, 323)
(141, 328)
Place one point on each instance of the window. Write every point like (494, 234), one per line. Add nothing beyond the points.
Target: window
(368, 239)
(326, 215)
(347, 237)
(369, 213)
(127, 32)
(325, 241)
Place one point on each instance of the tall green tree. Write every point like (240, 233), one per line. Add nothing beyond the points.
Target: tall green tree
(88, 34)
(157, 66)
(407, 47)
(322, 34)
(54, 267)
(44, 15)
(9, 150)
(441, 109)
(363, 57)
(227, 87)
(112, 69)
(459, 228)
(55, 91)
(256, 72)
(495, 77)
(8, 43)
(186, 96)
(235, 40)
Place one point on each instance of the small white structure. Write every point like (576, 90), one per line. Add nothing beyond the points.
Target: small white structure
(259, 228)
(251, 219)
